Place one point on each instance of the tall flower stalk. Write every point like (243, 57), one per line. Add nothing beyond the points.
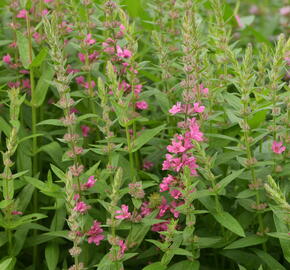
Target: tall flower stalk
(73, 188)
(7, 177)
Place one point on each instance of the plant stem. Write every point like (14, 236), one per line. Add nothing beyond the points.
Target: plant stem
(33, 129)
(131, 159)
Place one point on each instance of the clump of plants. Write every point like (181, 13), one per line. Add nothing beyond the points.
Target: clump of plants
(145, 135)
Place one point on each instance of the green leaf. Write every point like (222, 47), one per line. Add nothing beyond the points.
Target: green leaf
(181, 251)
(248, 241)
(205, 242)
(186, 265)
(7, 264)
(134, 7)
(281, 227)
(145, 137)
(37, 61)
(54, 150)
(4, 203)
(280, 235)
(227, 180)
(200, 194)
(269, 260)
(158, 244)
(3, 238)
(46, 188)
(4, 126)
(52, 122)
(86, 116)
(155, 266)
(247, 193)
(43, 84)
(242, 267)
(23, 47)
(247, 20)
(45, 237)
(229, 222)
(52, 255)
(5, 42)
(247, 259)
(162, 100)
(18, 175)
(22, 220)
(58, 172)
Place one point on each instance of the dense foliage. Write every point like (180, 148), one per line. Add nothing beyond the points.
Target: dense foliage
(144, 135)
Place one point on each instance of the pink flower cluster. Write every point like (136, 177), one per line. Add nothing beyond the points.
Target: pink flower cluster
(186, 108)
(81, 207)
(180, 146)
(166, 210)
(95, 234)
(123, 213)
(80, 80)
(278, 148)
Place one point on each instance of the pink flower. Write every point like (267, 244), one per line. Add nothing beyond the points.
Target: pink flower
(73, 110)
(89, 40)
(254, 9)
(13, 84)
(124, 213)
(123, 53)
(122, 27)
(163, 208)
(145, 210)
(164, 186)
(109, 50)
(95, 234)
(123, 85)
(278, 148)
(81, 207)
(203, 90)
(197, 108)
(48, 1)
(26, 83)
(122, 246)
(141, 105)
(90, 84)
(127, 53)
(93, 56)
(138, 88)
(238, 19)
(12, 45)
(90, 183)
(85, 130)
(37, 37)
(195, 133)
(72, 70)
(284, 11)
(22, 14)
(160, 227)
(80, 80)
(76, 197)
(176, 147)
(147, 165)
(44, 12)
(82, 57)
(7, 59)
(24, 71)
(175, 109)
(173, 207)
(16, 213)
(176, 194)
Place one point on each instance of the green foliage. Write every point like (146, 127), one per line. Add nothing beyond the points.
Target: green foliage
(144, 135)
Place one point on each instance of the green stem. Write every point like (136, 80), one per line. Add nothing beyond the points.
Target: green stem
(131, 159)
(34, 139)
